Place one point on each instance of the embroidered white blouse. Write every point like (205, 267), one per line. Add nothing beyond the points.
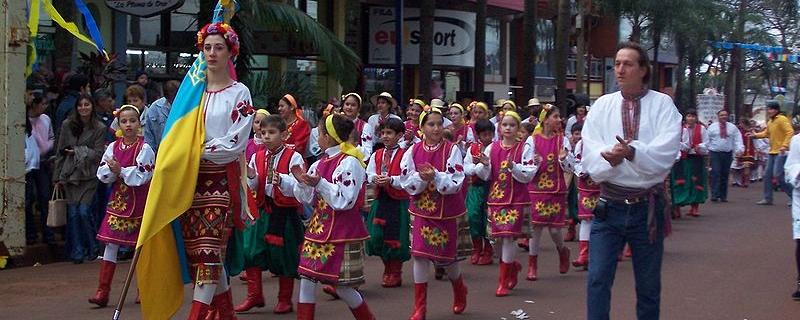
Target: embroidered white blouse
(522, 172)
(287, 180)
(228, 120)
(343, 191)
(134, 176)
(446, 182)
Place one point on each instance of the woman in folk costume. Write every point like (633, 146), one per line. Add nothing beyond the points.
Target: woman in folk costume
(219, 199)
(588, 195)
(548, 190)
(128, 165)
(412, 134)
(272, 242)
(689, 175)
(509, 165)
(255, 143)
(384, 103)
(462, 133)
(743, 164)
(433, 174)
(333, 251)
(477, 111)
(363, 135)
(388, 220)
(298, 130)
(477, 194)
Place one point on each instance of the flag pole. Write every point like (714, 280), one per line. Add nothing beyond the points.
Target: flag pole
(127, 285)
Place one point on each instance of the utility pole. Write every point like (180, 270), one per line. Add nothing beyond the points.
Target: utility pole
(480, 51)
(580, 61)
(14, 38)
(528, 82)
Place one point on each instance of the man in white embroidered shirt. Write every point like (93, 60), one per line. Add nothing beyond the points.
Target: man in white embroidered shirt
(724, 140)
(631, 139)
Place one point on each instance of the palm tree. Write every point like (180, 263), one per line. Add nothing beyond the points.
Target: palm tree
(341, 62)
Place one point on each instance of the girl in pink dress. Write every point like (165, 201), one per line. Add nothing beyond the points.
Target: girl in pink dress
(433, 174)
(128, 165)
(463, 135)
(509, 164)
(548, 190)
(412, 134)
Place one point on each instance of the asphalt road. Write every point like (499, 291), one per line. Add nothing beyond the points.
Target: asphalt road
(734, 262)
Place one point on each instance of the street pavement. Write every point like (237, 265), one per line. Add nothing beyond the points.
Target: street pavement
(734, 262)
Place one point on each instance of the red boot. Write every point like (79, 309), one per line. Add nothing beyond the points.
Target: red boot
(225, 306)
(459, 295)
(362, 312)
(627, 252)
(502, 281)
(477, 245)
(330, 290)
(563, 260)
(255, 291)
(513, 271)
(676, 212)
(104, 287)
(486, 254)
(523, 243)
(285, 288)
(199, 311)
(695, 210)
(570, 233)
(305, 311)
(385, 273)
(420, 301)
(395, 277)
(583, 256)
(532, 268)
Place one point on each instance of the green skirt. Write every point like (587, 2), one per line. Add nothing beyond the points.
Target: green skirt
(374, 245)
(254, 247)
(689, 181)
(283, 260)
(476, 210)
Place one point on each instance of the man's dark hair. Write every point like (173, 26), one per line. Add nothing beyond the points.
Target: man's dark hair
(644, 59)
(274, 121)
(77, 81)
(530, 127)
(483, 125)
(722, 110)
(690, 111)
(576, 127)
(393, 124)
(773, 105)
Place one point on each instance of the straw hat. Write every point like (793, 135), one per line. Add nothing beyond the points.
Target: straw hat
(438, 103)
(499, 103)
(533, 102)
(384, 95)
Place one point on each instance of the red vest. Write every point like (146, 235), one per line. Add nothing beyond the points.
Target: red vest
(394, 171)
(283, 167)
(475, 150)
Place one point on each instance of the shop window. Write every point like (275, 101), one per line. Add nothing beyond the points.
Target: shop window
(378, 80)
(545, 49)
(494, 51)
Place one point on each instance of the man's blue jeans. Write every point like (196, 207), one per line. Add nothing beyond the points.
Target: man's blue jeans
(720, 171)
(774, 169)
(623, 223)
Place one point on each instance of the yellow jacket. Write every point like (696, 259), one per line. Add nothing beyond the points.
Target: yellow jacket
(779, 131)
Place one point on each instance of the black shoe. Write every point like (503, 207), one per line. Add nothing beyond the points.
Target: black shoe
(714, 199)
(796, 294)
(723, 200)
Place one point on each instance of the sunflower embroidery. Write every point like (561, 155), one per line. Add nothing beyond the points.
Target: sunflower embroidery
(589, 202)
(119, 200)
(123, 225)
(426, 200)
(317, 251)
(504, 216)
(434, 236)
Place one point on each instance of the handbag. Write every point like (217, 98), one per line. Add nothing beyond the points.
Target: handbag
(57, 208)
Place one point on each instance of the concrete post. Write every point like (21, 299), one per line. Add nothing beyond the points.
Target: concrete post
(13, 40)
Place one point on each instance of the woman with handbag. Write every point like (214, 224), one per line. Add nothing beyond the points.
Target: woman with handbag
(81, 142)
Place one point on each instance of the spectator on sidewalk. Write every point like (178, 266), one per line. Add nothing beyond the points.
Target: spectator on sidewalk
(37, 180)
(779, 131)
(77, 85)
(156, 115)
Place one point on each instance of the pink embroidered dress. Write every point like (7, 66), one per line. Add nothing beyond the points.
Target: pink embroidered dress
(548, 190)
(588, 190)
(333, 249)
(129, 191)
(510, 169)
(437, 204)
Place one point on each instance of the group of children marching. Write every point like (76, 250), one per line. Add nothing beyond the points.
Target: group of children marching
(446, 181)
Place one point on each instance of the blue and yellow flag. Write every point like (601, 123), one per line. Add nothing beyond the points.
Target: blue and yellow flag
(161, 270)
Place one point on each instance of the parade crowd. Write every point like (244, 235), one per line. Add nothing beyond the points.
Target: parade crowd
(422, 185)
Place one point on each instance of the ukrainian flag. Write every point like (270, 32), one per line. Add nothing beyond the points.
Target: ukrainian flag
(162, 269)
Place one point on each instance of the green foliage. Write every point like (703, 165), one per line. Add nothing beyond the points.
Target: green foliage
(268, 89)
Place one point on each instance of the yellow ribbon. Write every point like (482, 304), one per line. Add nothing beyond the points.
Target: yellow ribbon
(514, 115)
(69, 26)
(418, 102)
(262, 111)
(542, 116)
(459, 106)
(344, 146)
(33, 28)
(427, 112)
(514, 105)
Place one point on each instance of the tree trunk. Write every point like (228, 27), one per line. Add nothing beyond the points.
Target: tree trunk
(680, 77)
(562, 48)
(636, 30)
(655, 75)
(580, 58)
(528, 81)
(426, 11)
(480, 51)
(736, 95)
(692, 98)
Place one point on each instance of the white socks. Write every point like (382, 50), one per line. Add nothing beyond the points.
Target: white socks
(533, 243)
(110, 254)
(555, 234)
(421, 268)
(453, 271)
(509, 248)
(308, 291)
(350, 296)
(308, 294)
(206, 292)
(586, 230)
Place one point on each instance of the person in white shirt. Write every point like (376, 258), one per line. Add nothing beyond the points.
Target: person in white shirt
(631, 138)
(724, 140)
(792, 168)
(384, 103)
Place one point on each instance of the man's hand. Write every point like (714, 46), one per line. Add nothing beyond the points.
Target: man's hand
(621, 151)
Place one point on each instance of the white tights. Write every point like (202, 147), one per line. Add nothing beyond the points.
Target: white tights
(206, 292)
(422, 270)
(555, 234)
(308, 294)
(586, 230)
(110, 254)
(509, 249)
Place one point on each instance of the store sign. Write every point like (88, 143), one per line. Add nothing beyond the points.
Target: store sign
(144, 8)
(708, 105)
(453, 37)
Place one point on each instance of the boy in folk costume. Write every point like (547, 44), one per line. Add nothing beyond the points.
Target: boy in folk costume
(477, 194)
(128, 164)
(272, 242)
(433, 173)
(689, 175)
(388, 221)
(509, 165)
(333, 249)
(548, 190)
(588, 193)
